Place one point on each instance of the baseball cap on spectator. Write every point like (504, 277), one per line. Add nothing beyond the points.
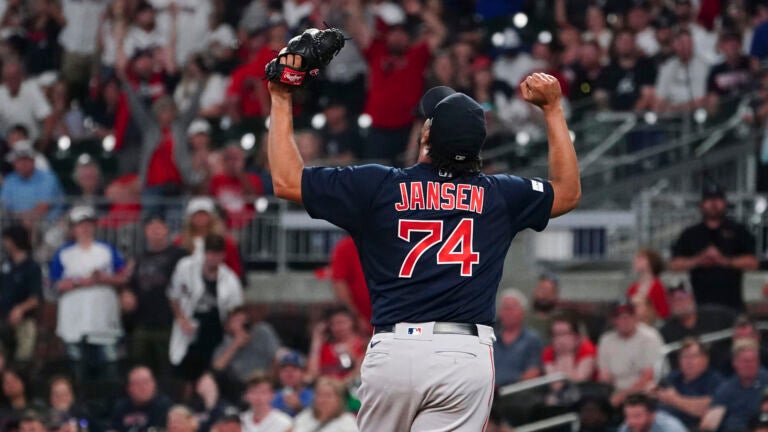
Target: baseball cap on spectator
(622, 308)
(81, 214)
(712, 190)
(200, 204)
(22, 149)
(458, 123)
(198, 126)
(230, 414)
(291, 358)
(390, 14)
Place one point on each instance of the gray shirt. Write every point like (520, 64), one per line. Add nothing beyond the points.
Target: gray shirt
(256, 355)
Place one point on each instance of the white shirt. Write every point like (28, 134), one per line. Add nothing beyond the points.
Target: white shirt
(646, 41)
(139, 39)
(679, 83)
(83, 18)
(92, 311)
(213, 93)
(512, 70)
(306, 422)
(192, 22)
(28, 108)
(275, 421)
(625, 358)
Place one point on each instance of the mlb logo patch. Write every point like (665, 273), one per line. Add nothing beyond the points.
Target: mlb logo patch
(414, 331)
(537, 186)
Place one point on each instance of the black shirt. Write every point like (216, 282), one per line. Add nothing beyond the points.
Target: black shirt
(337, 143)
(624, 85)
(716, 285)
(209, 330)
(129, 417)
(149, 283)
(18, 283)
(585, 83)
(727, 80)
(710, 318)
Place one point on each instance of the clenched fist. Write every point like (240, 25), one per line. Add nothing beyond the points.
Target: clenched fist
(541, 90)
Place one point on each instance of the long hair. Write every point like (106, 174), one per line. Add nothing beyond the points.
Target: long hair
(189, 233)
(338, 389)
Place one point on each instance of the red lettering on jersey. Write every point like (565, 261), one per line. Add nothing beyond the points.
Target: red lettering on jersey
(476, 200)
(433, 196)
(403, 204)
(446, 194)
(417, 196)
(461, 195)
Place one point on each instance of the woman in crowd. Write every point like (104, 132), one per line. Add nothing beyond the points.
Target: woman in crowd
(337, 348)
(200, 220)
(648, 265)
(15, 398)
(570, 354)
(328, 412)
(181, 419)
(61, 398)
(207, 403)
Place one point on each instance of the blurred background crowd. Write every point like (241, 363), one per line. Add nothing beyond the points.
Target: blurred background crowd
(148, 117)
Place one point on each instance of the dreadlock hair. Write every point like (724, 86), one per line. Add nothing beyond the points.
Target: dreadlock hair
(446, 163)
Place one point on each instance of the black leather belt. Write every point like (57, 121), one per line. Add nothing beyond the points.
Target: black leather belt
(439, 328)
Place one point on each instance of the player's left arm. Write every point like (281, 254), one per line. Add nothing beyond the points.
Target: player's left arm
(285, 161)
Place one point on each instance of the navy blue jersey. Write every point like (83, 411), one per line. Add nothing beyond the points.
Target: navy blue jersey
(432, 249)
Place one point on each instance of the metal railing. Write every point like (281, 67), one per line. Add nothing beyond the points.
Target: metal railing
(571, 419)
(523, 386)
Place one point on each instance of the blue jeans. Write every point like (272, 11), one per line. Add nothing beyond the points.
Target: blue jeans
(92, 363)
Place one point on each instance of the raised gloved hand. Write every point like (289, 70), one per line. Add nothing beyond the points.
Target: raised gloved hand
(315, 47)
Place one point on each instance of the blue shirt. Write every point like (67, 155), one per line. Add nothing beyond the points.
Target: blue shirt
(306, 397)
(742, 404)
(19, 195)
(759, 46)
(511, 361)
(704, 385)
(662, 422)
(432, 249)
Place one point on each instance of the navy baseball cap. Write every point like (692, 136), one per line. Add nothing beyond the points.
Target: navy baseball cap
(458, 122)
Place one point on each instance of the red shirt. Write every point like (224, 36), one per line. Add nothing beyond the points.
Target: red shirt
(162, 167)
(246, 80)
(346, 267)
(330, 359)
(656, 294)
(230, 195)
(585, 350)
(395, 84)
(154, 88)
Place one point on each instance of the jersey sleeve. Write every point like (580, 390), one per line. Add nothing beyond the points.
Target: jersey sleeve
(342, 196)
(529, 201)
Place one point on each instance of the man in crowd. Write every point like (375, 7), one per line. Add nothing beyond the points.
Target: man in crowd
(31, 422)
(235, 190)
(715, 252)
(293, 395)
(728, 80)
(545, 301)
(682, 80)
(341, 136)
(78, 38)
(229, 422)
(687, 393)
(261, 417)
(247, 347)
(144, 300)
(627, 354)
(690, 320)
(517, 350)
(743, 328)
(737, 401)
(23, 102)
(640, 415)
(626, 84)
(30, 194)
(22, 289)
(349, 281)
(85, 273)
(144, 408)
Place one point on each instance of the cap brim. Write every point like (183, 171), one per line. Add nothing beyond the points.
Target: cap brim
(431, 98)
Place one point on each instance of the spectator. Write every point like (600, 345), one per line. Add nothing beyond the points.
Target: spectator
(16, 399)
(197, 72)
(731, 78)
(689, 320)
(640, 415)
(544, 305)
(203, 292)
(594, 414)
(337, 348)
(31, 422)
(328, 412)
(78, 39)
(664, 30)
(396, 66)
(202, 220)
(23, 102)
(715, 252)
(744, 328)
(43, 53)
(66, 118)
(236, 190)
(144, 300)
(195, 16)
(261, 417)
(63, 405)
(682, 81)
(19, 134)
(517, 350)
(208, 405)
(648, 266)
(737, 400)
(247, 347)
(85, 273)
(341, 137)
(229, 422)
(627, 354)
(639, 20)
(89, 190)
(143, 33)
(626, 84)
(597, 29)
(758, 50)
(586, 72)
(22, 282)
(704, 41)
(199, 137)
(101, 108)
(30, 194)
(687, 393)
(349, 282)
(570, 354)
(181, 419)
(144, 407)
(293, 395)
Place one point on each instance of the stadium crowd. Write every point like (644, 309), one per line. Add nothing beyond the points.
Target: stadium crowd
(171, 94)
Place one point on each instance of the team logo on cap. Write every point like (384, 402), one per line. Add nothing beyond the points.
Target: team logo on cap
(415, 331)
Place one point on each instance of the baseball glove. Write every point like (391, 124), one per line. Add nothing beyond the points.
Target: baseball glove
(316, 48)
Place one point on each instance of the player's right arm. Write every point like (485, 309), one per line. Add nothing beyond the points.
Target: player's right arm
(544, 91)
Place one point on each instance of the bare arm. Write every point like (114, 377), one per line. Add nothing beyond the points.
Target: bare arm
(284, 159)
(544, 91)
(530, 373)
(745, 262)
(684, 263)
(712, 419)
(693, 406)
(357, 25)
